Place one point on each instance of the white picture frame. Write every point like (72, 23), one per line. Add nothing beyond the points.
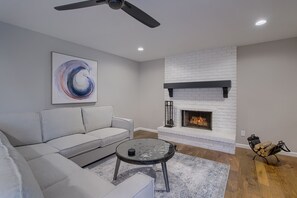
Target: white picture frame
(74, 79)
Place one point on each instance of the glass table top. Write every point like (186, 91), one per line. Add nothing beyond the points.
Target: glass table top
(147, 151)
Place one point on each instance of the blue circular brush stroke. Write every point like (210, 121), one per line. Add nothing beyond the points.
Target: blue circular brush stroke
(81, 93)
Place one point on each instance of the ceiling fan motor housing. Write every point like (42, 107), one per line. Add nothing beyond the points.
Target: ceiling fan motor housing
(116, 4)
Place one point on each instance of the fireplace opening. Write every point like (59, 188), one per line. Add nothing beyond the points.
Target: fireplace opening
(197, 119)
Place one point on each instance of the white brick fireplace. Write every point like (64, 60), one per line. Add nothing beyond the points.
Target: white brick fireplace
(204, 65)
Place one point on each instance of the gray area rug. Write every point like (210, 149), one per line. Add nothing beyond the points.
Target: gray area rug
(188, 176)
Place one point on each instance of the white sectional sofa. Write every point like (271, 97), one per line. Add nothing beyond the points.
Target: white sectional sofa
(41, 154)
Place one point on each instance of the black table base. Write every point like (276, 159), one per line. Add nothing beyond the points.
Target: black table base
(164, 169)
(147, 152)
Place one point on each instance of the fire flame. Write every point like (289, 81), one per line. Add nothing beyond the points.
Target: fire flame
(200, 121)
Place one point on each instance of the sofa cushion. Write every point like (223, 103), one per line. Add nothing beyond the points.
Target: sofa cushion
(97, 117)
(21, 128)
(52, 168)
(16, 177)
(82, 184)
(110, 135)
(61, 122)
(76, 144)
(36, 150)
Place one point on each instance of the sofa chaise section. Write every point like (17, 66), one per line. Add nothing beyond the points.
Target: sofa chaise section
(83, 135)
(45, 144)
(52, 176)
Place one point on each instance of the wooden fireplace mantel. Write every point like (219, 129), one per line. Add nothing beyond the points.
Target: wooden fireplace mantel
(224, 84)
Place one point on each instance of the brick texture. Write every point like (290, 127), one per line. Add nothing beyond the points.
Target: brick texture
(205, 65)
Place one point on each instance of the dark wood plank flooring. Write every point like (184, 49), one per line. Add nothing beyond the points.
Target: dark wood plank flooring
(248, 178)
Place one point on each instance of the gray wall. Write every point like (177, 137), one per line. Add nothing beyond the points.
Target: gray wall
(25, 73)
(267, 80)
(267, 91)
(151, 98)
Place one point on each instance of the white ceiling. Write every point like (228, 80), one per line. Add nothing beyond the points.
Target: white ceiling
(186, 25)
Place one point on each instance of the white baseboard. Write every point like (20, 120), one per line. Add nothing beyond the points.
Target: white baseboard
(145, 129)
(245, 146)
(291, 154)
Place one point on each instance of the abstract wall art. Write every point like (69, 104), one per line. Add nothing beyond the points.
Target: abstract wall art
(74, 80)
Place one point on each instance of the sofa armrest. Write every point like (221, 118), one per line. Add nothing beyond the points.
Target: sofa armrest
(124, 123)
(137, 186)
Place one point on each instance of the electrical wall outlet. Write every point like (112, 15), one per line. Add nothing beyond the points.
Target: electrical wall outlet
(242, 133)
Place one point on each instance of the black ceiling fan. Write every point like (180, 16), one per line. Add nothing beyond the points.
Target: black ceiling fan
(116, 5)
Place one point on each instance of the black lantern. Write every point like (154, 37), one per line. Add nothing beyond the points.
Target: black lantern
(169, 114)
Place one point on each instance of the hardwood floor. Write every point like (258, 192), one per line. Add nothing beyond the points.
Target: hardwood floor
(248, 178)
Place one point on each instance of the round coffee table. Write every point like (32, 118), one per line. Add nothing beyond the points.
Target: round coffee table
(147, 152)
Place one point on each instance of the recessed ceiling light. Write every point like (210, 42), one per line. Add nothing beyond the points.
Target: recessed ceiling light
(261, 22)
(140, 49)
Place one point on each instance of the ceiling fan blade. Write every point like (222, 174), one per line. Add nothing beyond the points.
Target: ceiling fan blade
(140, 15)
(82, 4)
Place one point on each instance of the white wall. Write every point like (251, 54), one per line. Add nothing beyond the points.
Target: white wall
(205, 65)
(267, 91)
(151, 101)
(25, 73)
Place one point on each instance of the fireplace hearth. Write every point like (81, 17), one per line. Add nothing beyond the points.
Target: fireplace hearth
(197, 119)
